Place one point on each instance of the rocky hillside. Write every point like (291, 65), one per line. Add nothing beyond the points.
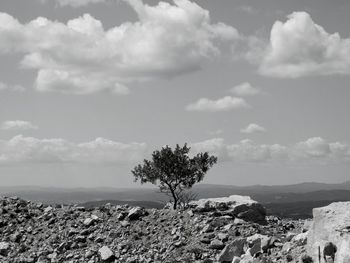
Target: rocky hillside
(214, 230)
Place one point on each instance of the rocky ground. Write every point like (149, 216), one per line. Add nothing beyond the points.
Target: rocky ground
(33, 232)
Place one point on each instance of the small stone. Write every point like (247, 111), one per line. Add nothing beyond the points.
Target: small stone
(105, 253)
(88, 221)
(4, 248)
(216, 244)
(48, 209)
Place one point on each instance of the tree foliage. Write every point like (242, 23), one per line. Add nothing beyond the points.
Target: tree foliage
(174, 171)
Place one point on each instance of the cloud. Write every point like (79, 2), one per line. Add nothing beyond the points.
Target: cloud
(214, 146)
(253, 128)
(245, 89)
(78, 3)
(248, 9)
(30, 150)
(18, 125)
(22, 149)
(223, 104)
(300, 47)
(313, 149)
(81, 57)
(18, 88)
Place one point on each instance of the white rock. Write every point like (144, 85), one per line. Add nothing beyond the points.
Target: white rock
(105, 253)
(48, 209)
(231, 200)
(88, 221)
(329, 225)
(300, 239)
(262, 242)
(239, 206)
(94, 217)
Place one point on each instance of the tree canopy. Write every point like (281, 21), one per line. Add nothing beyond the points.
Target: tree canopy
(174, 171)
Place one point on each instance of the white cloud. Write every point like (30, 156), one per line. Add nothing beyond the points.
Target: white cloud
(223, 104)
(253, 128)
(214, 146)
(81, 57)
(4, 86)
(313, 147)
(300, 47)
(18, 125)
(22, 149)
(29, 150)
(245, 89)
(78, 3)
(311, 150)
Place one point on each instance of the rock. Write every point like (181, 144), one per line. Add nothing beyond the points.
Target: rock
(105, 253)
(260, 242)
(223, 237)
(216, 244)
(330, 224)
(15, 237)
(300, 239)
(242, 207)
(88, 221)
(231, 250)
(136, 213)
(306, 259)
(48, 209)
(74, 234)
(4, 248)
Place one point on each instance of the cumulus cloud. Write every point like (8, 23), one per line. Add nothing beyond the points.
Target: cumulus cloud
(30, 150)
(22, 149)
(313, 149)
(81, 57)
(4, 86)
(300, 47)
(223, 104)
(245, 89)
(253, 128)
(18, 125)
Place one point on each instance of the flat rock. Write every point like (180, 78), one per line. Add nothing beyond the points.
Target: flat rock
(239, 206)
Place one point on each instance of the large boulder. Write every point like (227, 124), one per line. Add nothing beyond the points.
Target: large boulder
(242, 207)
(330, 227)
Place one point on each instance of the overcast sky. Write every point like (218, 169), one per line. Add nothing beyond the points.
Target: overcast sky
(88, 88)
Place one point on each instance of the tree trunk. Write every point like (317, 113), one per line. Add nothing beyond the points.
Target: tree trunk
(175, 203)
(174, 197)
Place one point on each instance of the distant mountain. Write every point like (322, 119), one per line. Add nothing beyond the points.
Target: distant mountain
(296, 210)
(263, 193)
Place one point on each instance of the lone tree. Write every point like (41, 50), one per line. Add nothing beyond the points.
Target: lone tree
(174, 171)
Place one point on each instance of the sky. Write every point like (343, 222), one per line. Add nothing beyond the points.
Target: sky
(89, 88)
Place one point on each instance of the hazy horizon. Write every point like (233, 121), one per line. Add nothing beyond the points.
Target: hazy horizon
(88, 89)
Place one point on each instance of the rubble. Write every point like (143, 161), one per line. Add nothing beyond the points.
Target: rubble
(35, 233)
